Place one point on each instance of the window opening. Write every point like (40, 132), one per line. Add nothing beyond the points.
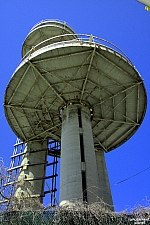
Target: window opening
(82, 148)
(79, 117)
(84, 186)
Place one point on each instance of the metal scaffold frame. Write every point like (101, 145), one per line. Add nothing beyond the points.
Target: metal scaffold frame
(9, 181)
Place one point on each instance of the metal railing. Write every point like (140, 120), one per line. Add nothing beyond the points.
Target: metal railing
(50, 21)
(81, 38)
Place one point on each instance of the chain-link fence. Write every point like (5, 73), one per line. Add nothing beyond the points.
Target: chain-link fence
(27, 210)
(74, 214)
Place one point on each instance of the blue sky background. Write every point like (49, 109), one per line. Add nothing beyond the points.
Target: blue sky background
(126, 24)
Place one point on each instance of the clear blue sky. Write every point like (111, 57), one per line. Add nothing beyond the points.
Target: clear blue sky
(124, 23)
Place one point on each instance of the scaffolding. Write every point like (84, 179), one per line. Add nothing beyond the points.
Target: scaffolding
(10, 178)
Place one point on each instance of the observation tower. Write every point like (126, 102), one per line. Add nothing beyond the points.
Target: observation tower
(81, 91)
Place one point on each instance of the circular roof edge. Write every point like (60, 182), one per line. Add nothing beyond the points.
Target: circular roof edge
(88, 48)
(46, 30)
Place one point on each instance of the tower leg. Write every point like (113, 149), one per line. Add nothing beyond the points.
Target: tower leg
(104, 186)
(32, 173)
(78, 176)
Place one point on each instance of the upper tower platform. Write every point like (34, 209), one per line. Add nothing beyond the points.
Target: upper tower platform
(59, 68)
(45, 33)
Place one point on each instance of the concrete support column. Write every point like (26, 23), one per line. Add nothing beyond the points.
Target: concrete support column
(31, 177)
(90, 158)
(78, 172)
(104, 186)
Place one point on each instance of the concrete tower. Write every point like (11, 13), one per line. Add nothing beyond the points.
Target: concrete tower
(146, 3)
(80, 92)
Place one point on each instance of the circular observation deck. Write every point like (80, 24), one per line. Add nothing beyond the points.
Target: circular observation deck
(45, 33)
(65, 68)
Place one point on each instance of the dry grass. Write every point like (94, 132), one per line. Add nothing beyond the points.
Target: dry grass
(26, 210)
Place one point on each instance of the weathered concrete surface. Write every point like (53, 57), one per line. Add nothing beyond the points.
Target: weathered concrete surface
(71, 165)
(34, 165)
(104, 186)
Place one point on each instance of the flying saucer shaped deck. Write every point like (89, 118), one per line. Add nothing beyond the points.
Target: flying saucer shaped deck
(75, 71)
